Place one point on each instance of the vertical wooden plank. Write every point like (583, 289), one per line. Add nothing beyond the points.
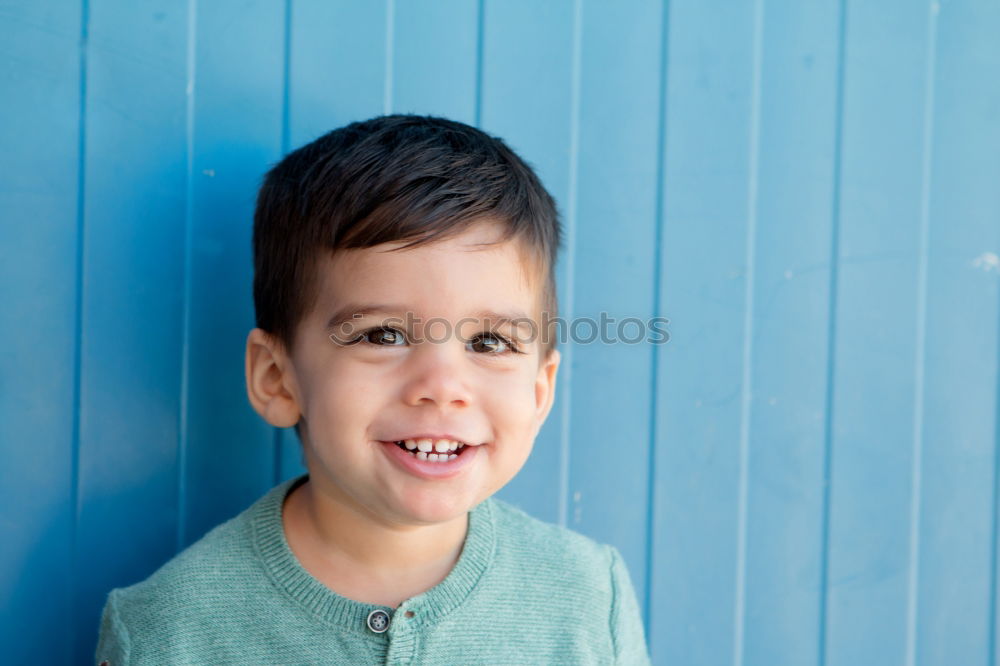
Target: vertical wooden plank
(337, 65)
(521, 36)
(956, 556)
(239, 65)
(875, 348)
(39, 242)
(434, 58)
(132, 298)
(796, 157)
(616, 231)
(699, 372)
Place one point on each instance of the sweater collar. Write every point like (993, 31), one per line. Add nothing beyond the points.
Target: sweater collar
(288, 573)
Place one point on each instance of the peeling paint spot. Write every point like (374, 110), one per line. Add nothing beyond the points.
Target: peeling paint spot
(987, 261)
(772, 401)
(209, 172)
(697, 403)
(577, 496)
(788, 274)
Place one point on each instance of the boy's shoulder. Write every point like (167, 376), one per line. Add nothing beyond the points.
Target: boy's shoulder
(222, 562)
(549, 580)
(547, 546)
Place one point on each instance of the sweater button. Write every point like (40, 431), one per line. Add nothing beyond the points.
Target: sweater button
(378, 621)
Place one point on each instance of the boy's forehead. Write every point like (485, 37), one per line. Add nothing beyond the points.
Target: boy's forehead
(475, 268)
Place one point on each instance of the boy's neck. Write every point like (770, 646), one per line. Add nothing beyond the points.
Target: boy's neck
(365, 560)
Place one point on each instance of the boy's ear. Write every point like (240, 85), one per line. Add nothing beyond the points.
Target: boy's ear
(270, 380)
(545, 385)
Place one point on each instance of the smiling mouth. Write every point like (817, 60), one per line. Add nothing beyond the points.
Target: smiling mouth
(439, 450)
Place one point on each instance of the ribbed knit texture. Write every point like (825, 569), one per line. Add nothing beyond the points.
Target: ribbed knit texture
(522, 592)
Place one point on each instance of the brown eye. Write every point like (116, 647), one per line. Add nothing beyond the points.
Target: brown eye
(382, 336)
(491, 343)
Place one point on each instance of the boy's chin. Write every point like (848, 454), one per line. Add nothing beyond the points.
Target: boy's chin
(433, 510)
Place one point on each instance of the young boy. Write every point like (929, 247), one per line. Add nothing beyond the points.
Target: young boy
(403, 277)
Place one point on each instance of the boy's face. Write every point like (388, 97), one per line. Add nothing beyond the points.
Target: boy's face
(367, 388)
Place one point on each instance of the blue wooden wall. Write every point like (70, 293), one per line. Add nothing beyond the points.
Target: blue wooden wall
(810, 191)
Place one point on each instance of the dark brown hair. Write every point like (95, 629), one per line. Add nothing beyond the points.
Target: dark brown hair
(391, 178)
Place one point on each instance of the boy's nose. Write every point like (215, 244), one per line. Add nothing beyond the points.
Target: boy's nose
(437, 376)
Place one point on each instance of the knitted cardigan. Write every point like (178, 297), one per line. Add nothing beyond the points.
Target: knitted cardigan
(522, 592)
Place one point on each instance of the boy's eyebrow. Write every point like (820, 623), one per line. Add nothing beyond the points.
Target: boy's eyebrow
(354, 310)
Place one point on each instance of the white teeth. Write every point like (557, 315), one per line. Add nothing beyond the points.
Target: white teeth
(439, 450)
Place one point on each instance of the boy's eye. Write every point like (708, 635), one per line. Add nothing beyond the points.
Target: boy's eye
(491, 343)
(382, 335)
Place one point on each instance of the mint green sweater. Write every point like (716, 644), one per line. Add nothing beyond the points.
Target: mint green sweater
(522, 592)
